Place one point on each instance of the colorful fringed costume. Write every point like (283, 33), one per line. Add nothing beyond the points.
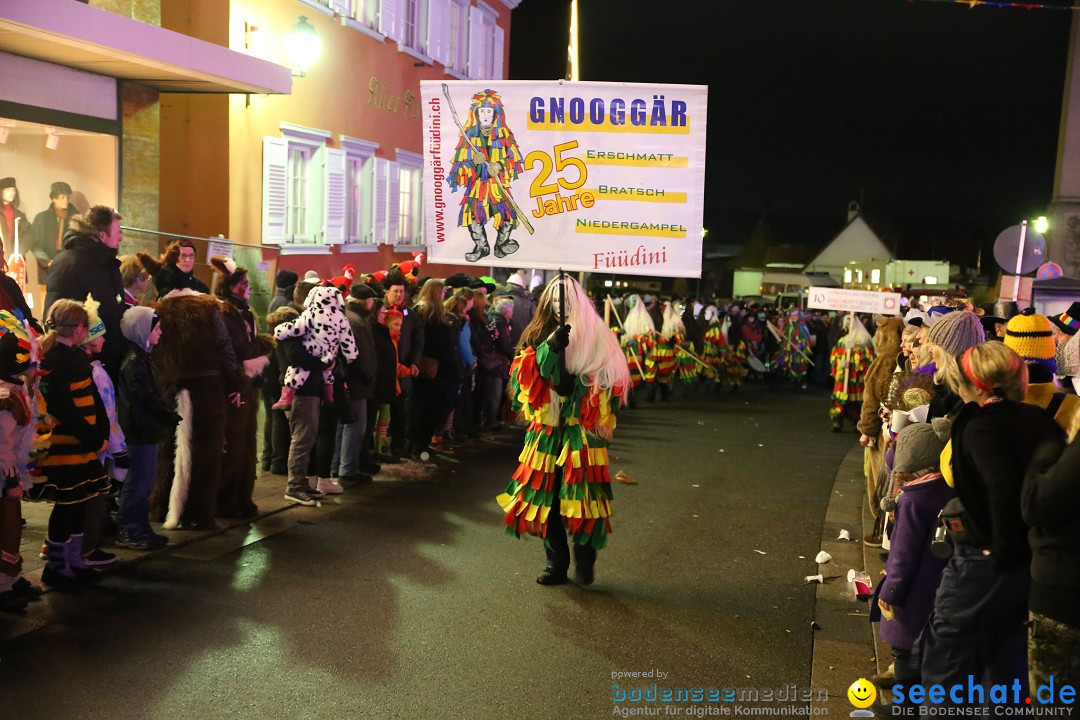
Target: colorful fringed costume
(640, 359)
(795, 362)
(665, 357)
(573, 447)
(848, 376)
(484, 199)
(713, 350)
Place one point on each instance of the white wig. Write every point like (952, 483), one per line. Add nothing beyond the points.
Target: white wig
(637, 322)
(594, 354)
(673, 324)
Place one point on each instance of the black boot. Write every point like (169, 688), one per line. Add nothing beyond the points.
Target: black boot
(584, 562)
(480, 249)
(504, 245)
(552, 576)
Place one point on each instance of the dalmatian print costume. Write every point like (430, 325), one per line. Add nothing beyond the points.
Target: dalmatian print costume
(323, 328)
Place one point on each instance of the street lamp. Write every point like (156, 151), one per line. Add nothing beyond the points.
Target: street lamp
(1042, 225)
(302, 46)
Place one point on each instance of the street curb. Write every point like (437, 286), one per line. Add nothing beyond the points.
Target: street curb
(844, 643)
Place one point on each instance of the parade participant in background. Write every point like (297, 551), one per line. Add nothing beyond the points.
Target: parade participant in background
(795, 353)
(712, 348)
(667, 343)
(686, 366)
(72, 472)
(977, 630)
(568, 380)
(485, 151)
(175, 270)
(252, 351)
(17, 420)
(639, 343)
(848, 362)
(734, 354)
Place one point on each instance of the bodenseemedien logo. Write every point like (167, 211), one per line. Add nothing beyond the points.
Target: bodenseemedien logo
(862, 694)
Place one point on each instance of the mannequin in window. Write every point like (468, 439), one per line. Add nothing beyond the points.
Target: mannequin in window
(10, 215)
(47, 236)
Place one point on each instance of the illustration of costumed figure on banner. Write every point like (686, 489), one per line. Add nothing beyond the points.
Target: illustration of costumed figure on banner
(796, 351)
(848, 363)
(567, 381)
(197, 366)
(639, 343)
(18, 414)
(487, 159)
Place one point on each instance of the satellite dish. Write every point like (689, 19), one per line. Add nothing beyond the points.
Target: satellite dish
(1049, 271)
(1007, 247)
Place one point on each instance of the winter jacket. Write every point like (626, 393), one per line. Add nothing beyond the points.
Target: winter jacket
(524, 310)
(992, 449)
(87, 267)
(385, 388)
(291, 351)
(251, 351)
(360, 374)
(45, 235)
(912, 570)
(145, 416)
(282, 297)
(169, 277)
(440, 342)
(1049, 503)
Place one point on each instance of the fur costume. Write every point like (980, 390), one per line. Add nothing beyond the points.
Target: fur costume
(876, 384)
(323, 329)
(197, 365)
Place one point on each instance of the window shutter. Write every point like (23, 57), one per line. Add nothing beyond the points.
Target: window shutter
(341, 7)
(476, 44)
(335, 196)
(275, 190)
(393, 204)
(367, 202)
(390, 18)
(497, 69)
(379, 192)
(438, 29)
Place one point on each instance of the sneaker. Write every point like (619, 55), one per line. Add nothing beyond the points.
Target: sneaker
(313, 487)
(329, 486)
(44, 549)
(156, 540)
(299, 497)
(132, 540)
(97, 557)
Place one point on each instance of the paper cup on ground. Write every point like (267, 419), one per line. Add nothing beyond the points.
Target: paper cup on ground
(822, 558)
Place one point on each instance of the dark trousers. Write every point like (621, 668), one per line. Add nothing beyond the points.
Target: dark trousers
(555, 543)
(978, 625)
(276, 437)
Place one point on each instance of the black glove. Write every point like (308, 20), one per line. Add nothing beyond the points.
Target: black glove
(559, 339)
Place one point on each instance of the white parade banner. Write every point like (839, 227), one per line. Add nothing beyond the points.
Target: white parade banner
(599, 177)
(860, 301)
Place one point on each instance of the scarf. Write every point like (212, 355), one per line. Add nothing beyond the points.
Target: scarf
(62, 216)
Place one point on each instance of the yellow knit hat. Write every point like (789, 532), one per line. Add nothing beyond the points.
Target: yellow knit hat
(1032, 337)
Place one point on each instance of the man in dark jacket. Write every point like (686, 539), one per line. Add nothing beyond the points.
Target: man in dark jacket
(354, 464)
(285, 286)
(524, 306)
(88, 266)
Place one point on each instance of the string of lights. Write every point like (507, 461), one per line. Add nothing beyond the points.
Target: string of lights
(972, 4)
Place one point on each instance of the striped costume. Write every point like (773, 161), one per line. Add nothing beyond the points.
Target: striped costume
(572, 447)
(641, 361)
(72, 472)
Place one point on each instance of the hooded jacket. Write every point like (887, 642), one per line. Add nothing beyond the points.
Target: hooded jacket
(144, 415)
(87, 267)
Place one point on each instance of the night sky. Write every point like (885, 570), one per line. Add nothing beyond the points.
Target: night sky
(943, 119)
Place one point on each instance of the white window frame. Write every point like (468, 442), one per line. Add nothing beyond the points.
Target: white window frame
(483, 29)
(364, 17)
(411, 169)
(277, 181)
(359, 154)
(457, 48)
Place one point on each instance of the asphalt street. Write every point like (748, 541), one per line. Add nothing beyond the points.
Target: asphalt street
(410, 602)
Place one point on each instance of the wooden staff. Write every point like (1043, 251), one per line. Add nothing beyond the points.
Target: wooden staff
(788, 341)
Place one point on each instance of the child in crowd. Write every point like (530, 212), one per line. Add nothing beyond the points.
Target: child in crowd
(115, 460)
(147, 419)
(392, 319)
(324, 331)
(906, 596)
(17, 418)
(72, 469)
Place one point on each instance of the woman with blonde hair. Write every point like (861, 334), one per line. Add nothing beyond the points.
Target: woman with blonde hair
(568, 380)
(977, 627)
(72, 471)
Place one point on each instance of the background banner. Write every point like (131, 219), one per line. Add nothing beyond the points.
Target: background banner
(600, 177)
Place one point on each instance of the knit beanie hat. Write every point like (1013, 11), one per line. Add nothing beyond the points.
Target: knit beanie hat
(59, 188)
(918, 447)
(96, 325)
(285, 278)
(1070, 357)
(1031, 336)
(956, 332)
(360, 291)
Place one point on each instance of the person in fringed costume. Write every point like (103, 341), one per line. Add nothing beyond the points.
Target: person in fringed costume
(733, 356)
(848, 363)
(496, 155)
(795, 353)
(667, 343)
(712, 348)
(686, 367)
(639, 343)
(567, 381)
